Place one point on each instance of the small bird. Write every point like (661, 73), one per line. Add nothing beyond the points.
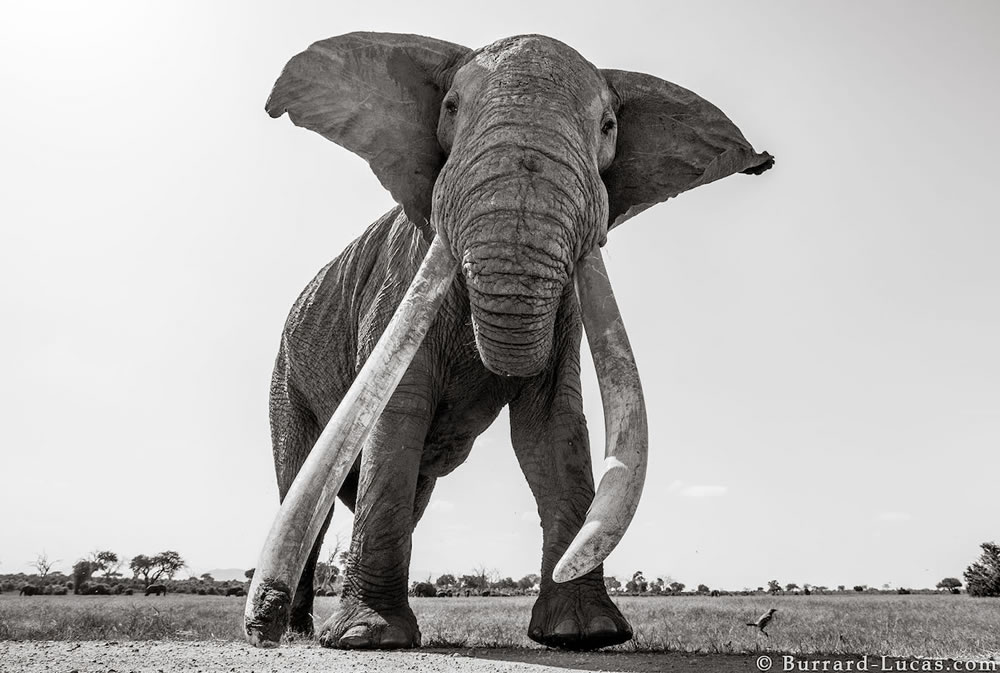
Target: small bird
(763, 621)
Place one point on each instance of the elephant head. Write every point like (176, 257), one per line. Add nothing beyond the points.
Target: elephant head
(516, 159)
(521, 155)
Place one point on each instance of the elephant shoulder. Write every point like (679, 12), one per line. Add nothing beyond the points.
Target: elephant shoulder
(382, 284)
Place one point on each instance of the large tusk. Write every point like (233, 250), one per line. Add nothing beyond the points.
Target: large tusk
(626, 433)
(312, 494)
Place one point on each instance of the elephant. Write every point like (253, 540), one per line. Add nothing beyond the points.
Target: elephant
(424, 590)
(30, 590)
(156, 590)
(509, 166)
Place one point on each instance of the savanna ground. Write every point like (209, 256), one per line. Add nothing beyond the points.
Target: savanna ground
(473, 634)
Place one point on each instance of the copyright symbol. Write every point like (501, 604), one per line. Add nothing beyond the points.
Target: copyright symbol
(764, 663)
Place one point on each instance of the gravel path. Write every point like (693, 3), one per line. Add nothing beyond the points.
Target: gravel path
(202, 657)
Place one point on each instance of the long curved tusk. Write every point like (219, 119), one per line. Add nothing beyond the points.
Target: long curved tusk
(312, 494)
(626, 433)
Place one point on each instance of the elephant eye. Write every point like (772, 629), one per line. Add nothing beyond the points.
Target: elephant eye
(608, 126)
(451, 106)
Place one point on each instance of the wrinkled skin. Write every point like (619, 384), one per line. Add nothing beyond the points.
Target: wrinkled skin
(525, 128)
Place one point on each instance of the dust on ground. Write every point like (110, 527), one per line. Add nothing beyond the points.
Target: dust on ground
(208, 657)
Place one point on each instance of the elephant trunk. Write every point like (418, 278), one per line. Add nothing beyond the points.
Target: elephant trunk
(626, 432)
(517, 223)
(514, 294)
(311, 496)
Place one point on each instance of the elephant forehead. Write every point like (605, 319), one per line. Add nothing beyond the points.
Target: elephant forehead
(493, 56)
(534, 49)
(534, 60)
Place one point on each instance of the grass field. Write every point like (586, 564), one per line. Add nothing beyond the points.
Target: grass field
(905, 626)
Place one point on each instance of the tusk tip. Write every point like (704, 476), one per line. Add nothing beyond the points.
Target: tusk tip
(565, 572)
(258, 640)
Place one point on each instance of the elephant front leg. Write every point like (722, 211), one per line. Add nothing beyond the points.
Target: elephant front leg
(374, 611)
(553, 450)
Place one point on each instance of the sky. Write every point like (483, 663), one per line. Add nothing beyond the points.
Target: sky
(818, 345)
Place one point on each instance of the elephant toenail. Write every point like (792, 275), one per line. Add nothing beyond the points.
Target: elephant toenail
(393, 636)
(356, 636)
(601, 625)
(567, 627)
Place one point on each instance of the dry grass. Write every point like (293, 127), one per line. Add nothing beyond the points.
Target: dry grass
(180, 617)
(903, 626)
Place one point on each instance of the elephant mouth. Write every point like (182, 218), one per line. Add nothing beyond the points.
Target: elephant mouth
(312, 494)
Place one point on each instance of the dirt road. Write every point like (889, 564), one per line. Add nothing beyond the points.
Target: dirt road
(194, 657)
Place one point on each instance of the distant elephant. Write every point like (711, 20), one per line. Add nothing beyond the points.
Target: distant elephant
(30, 590)
(157, 589)
(235, 591)
(425, 590)
(510, 164)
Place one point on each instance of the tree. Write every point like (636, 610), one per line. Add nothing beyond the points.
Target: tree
(106, 562)
(328, 571)
(480, 574)
(141, 565)
(677, 587)
(506, 583)
(207, 577)
(445, 581)
(82, 570)
(326, 574)
(703, 589)
(637, 584)
(528, 581)
(475, 582)
(249, 574)
(949, 583)
(982, 578)
(860, 587)
(774, 587)
(42, 564)
(791, 586)
(152, 568)
(612, 583)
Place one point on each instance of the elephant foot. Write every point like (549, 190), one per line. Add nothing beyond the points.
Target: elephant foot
(357, 626)
(575, 616)
(301, 623)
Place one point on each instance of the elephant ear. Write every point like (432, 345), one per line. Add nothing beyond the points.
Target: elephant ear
(378, 95)
(670, 140)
